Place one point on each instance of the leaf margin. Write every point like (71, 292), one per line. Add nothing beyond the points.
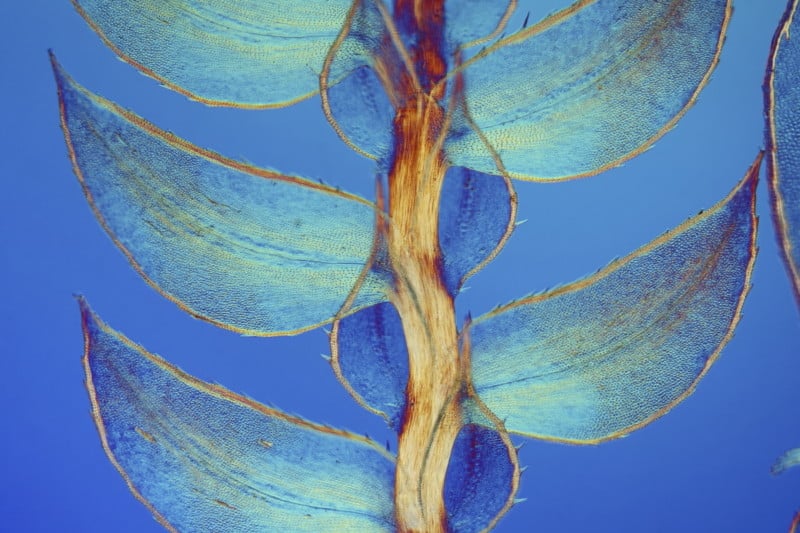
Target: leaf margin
(750, 180)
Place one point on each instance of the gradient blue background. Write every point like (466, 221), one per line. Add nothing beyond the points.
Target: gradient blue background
(702, 468)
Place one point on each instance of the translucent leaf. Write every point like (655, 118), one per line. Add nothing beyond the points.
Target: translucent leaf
(476, 216)
(602, 356)
(354, 99)
(370, 358)
(362, 113)
(202, 458)
(783, 139)
(481, 480)
(786, 461)
(246, 248)
(472, 21)
(588, 87)
(250, 53)
(361, 102)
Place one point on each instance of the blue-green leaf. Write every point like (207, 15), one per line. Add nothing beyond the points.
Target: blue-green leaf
(246, 248)
(249, 53)
(786, 461)
(355, 98)
(360, 100)
(476, 216)
(598, 358)
(782, 92)
(588, 87)
(481, 481)
(370, 358)
(202, 458)
(470, 22)
(361, 113)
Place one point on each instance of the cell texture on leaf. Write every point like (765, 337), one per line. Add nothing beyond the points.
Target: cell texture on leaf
(782, 94)
(482, 479)
(203, 458)
(602, 356)
(250, 53)
(586, 88)
(356, 95)
(361, 113)
(472, 22)
(476, 216)
(246, 248)
(370, 358)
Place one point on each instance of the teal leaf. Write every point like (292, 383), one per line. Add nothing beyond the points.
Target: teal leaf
(361, 113)
(588, 87)
(360, 100)
(476, 216)
(471, 22)
(250, 53)
(787, 460)
(370, 358)
(202, 458)
(369, 354)
(354, 95)
(782, 95)
(249, 249)
(481, 481)
(600, 357)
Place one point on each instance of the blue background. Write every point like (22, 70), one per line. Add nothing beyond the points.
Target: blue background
(704, 467)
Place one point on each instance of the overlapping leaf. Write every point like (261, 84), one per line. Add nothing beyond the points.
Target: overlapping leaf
(605, 355)
(370, 358)
(600, 357)
(472, 22)
(476, 216)
(358, 100)
(264, 253)
(588, 87)
(481, 481)
(202, 458)
(782, 92)
(249, 53)
(361, 112)
(249, 249)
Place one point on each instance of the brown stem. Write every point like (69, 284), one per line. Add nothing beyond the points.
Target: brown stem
(432, 418)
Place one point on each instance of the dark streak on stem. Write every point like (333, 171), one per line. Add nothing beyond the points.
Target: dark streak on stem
(433, 417)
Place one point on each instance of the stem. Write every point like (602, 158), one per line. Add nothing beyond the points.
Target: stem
(432, 418)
